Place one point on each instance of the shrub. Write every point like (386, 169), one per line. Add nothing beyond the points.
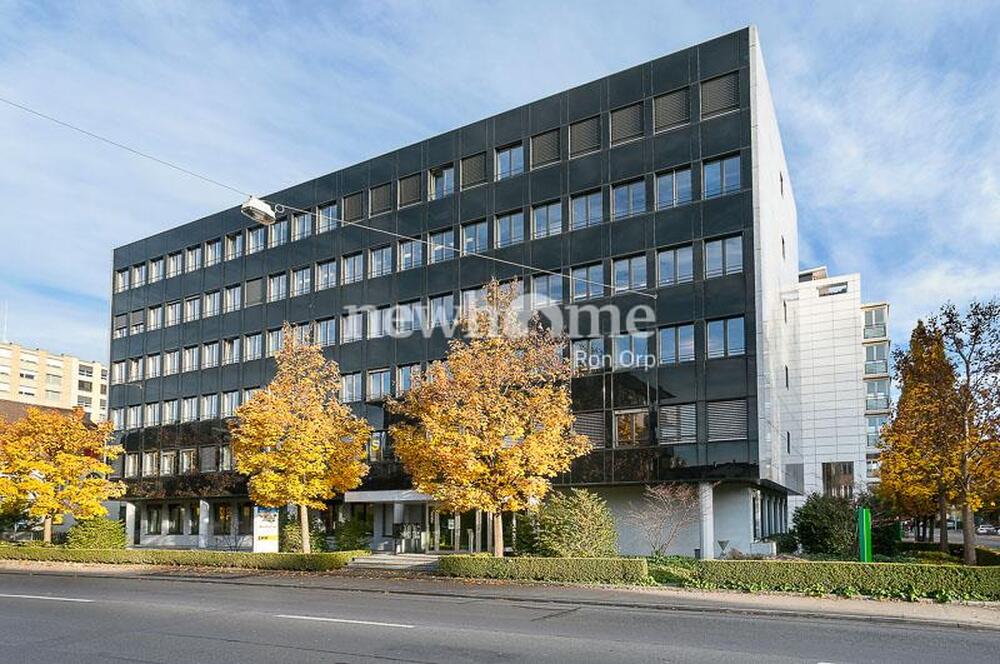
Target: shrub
(290, 538)
(96, 534)
(825, 525)
(671, 569)
(984, 557)
(353, 534)
(526, 535)
(316, 562)
(576, 524)
(570, 570)
(899, 580)
(785, 542)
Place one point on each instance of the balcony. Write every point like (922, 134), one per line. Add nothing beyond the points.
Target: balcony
(877, 403)
(875, 331)
(873, 440)
(876, 367)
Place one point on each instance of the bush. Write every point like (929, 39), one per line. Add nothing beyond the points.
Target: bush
(898, 580)
(353, 534)
(290, 538)
(96, 534)
(671, 569)
(984, 557)
(315, 562)
(526, 535)
(576, 524)
(825, 525)
(569, 570)
(785, 542)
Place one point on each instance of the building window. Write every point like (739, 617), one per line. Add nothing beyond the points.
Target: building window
(404, 377)
(545, 148)
(379, 450)
(409, 190)
(587, 209)
(721, 176)
(213, 252)
(134, 370)
(677, 424)
(256, 237)
(222, 519)
(138, 275)
(210, 355)
(877, 394)
(351, 327)
(152, 414)
(118, 373)
(726, 337)
(121, 280)
(723, 257)
(353, 207)
(350, 387)
(380, 262)
(171, 362)
(191, 358)
(546, 220)
(473, 299)
(153, 366)
(546, 290)
(838, 479)
(170, 411)
(626, 124)
(231, 350)
(252, 347)
(380, 199)
(510, 161)
(475, 238)
(230, 402)
(628, 199)
(727, 420)
(875, 323)
(673, 188)
(326, 275)
(233, 296)
(192, 259)
(212, 304)
(175, 263)
(168, 462)
(189, 409)
(378, 384)
(630, 273)
(154, 318)
(671, 110)
(301, 281)
(379, 322)
(411, 254)
(353, 268)
(277, 287)
(155, 270)
(876, 359)
(720, 94)
(154, 520)
(301, 226)
(674, 266)
(149, 464)
(510, 229)
(631, 350)
(209, 406)
(234, 246)
(473, 170)
(328, 217)
(277, 233)
(632, 428)
(192, 309)
(138, 322)
(442, 182)
(326, 332)
(874, 424)
(588, 282)
(584, 136)
(442, 310)
(442, 246)
(588, 354)
(275, 340)
(188, 461)
(676, 344)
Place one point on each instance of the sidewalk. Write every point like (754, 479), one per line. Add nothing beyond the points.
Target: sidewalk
(981, 615)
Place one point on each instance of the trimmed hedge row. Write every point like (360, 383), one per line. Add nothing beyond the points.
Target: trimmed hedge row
(313, 562)
(571, 570)
(900, 580)
(984, 557)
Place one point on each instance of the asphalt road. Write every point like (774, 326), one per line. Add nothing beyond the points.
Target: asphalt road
(52, 619)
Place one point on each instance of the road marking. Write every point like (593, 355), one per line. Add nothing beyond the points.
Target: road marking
(54, 599)
(345, 620)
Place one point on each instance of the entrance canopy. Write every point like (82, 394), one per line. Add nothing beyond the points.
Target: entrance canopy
(390, 496)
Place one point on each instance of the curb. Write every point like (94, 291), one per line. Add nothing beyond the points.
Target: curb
(679, 608)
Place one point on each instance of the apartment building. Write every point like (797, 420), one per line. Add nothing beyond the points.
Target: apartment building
(663, 185)
(843, 348)
(38, 377)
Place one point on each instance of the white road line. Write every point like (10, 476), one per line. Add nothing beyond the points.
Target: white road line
(345, 620)
(53, 599)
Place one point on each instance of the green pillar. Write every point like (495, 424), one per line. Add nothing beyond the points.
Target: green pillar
(864, 534)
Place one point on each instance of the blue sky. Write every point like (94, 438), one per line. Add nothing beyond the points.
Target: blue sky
(888, 115)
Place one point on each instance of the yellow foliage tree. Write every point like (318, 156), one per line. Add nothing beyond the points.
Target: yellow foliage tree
(294, 440)
(490, 425)
(55, 463)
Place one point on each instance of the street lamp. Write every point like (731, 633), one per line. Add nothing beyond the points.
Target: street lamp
(258, 210)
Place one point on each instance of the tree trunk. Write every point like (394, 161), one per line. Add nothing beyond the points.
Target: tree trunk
(968, 534)
(930, 528)
(47, 530)
(498, 534)
(943, 522)
(304, 527)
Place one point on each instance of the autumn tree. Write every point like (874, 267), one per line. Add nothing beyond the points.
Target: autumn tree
(917, 474)
(490, 425)
(294, 440)
(54, 463)
(665, 511)
(972, 343)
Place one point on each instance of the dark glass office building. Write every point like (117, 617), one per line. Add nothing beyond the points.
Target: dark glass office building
(666, 179)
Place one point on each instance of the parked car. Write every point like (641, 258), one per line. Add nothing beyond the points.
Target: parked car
(986, 529)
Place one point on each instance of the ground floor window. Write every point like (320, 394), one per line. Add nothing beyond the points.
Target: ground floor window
(153, 518)
(175, 519)
(222, 518)
(245, 521)
(194, 518)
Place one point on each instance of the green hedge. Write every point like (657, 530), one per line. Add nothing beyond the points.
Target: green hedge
(277, 561)
(984, 556)
(572, 570)
(899, 580)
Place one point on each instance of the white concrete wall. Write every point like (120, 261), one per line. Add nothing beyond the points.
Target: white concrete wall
(776, 260)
